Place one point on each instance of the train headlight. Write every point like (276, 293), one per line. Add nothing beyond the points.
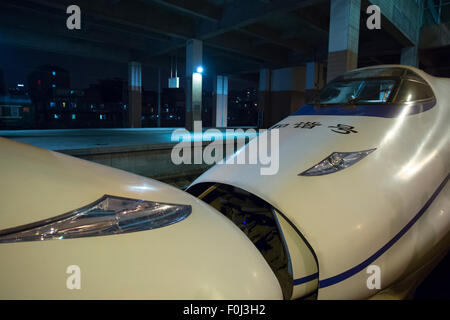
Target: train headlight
(335, 162)
(107, 216)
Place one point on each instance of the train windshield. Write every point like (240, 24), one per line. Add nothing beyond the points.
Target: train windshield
(375, 86)
(358, 91)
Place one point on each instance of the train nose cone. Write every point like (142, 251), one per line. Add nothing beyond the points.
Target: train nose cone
(203, 257)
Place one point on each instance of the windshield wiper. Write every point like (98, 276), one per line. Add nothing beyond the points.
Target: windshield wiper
(353, 101)
(350, 103)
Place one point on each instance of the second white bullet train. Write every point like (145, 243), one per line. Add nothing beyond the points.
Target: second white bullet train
(362, 194)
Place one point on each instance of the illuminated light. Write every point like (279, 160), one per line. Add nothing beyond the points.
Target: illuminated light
(53, 85)
(64, 104)
(56, 116)
(39, 82)
(200, 69)
(20, 85)
(74, 116)
(53, 73)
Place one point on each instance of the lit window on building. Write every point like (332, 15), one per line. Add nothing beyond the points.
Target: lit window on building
(74, 116)
(54, 73)
(103, 117)
(15, 112)
(53, 85)
(52, 104)
(56, 116)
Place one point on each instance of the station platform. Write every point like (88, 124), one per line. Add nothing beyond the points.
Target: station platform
(143, 151)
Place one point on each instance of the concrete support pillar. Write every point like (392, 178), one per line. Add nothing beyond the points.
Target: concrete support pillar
(194, 59)
(134, 94)
(281, 93)
(158, 120)
(264, 98)
(410, 56)
(314, 79)
(344, 37)
(220, 108)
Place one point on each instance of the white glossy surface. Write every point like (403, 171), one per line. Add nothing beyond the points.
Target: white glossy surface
(202, 257)
(350, 215)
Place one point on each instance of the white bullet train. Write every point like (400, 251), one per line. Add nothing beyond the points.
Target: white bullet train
(359, 208)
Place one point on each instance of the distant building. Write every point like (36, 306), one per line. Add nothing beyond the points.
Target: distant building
(45, 84)
(243, 107)
(101, 105)
(173, 104)
(106, 104)
(16, 109)
(149, 108)
(2, 83)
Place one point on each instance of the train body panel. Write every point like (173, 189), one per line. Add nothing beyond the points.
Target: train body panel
(195, 258)
(376, 212)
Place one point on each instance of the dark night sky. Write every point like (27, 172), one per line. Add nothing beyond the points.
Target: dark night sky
(18, 62)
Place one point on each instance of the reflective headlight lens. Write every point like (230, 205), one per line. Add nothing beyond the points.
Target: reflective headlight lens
(335, 162)
(106, 216)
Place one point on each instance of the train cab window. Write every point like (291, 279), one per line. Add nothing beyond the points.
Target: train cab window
(375, 86)
(358, 91)
(373, 73)
(414, 91)
(411, 75)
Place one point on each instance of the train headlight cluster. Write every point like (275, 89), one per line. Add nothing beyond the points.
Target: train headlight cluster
(106, 216)
(335, 162)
